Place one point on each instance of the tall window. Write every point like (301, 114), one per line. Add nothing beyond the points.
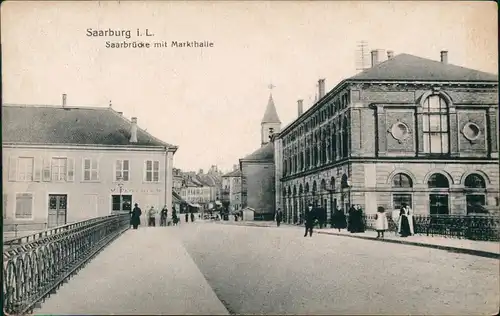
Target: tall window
(122, 170)
(402, 187)
(24, 205)
(59, 169)
(25, 169)
(475, 190)
(90, 169)
(152, 173)
(435, 125)
(438, 197)
(345, 138)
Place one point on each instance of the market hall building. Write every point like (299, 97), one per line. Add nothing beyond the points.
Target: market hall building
(407, 130)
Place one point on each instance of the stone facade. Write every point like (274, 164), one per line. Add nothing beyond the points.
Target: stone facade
(384, 143)
(258, 188)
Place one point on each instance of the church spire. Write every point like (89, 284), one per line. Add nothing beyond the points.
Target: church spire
(271, 115)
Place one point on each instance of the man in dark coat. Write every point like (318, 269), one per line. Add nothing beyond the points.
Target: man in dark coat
(135, 216)
(163, 216)
(186, 216)
(192, 216)
(310, 217)
(279, 217)
(175, 219)
(338, 219)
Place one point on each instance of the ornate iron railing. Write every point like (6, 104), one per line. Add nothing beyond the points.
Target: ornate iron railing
(474, 227)
(34, 266)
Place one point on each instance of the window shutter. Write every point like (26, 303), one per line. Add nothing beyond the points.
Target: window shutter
(46, 170)
(12, 168)
(37, 175)
(70, 176)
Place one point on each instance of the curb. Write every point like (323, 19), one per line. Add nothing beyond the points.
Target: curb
(474, 252)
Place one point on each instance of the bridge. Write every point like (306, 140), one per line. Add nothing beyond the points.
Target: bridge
(100, 266)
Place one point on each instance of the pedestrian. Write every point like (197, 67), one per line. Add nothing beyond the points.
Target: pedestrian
(175, 219)
(151, 217)
(310, 217)
(360, 219)
(135, 216)
(186, 216)
(338, 219)
(351, 221)
(405, 222)
(279, 217)
(192, 216)
(163, 216)
(381, 222)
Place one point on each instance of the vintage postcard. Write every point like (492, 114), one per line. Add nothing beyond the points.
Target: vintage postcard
(250, 157)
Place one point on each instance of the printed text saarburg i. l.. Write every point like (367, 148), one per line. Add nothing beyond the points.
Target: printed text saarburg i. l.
(127, 34)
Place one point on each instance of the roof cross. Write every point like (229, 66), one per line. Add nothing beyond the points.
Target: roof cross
(271, 86)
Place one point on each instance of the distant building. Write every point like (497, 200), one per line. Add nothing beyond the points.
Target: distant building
(66, 164)
(408, 130)
(231, 189)
(200, 189)
(177, 180)
(258, 172)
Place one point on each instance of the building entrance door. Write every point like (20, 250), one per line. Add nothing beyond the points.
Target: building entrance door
(57, 210)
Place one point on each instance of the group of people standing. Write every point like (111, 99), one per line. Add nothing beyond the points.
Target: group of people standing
(135, 216)
(355, 221)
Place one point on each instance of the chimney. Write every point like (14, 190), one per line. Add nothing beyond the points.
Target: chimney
(300, 106)
(133, 130)
(444, 56)
(321, 88)
(121, 113)
(64, 100)
(390, 54)
(374, 58)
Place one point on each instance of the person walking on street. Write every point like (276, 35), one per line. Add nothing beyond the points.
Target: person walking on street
(279, 217)
(338, 219)
(175, 219)
(163, 216)
(151, 217)
(405, 221)
(192, 216)
(135, 216)
(186, 216)
(309, 219)
(381, 222)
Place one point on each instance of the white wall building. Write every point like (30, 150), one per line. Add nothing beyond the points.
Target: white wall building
(66, 164)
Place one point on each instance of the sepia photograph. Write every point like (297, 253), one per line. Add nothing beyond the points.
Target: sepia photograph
(250, 157)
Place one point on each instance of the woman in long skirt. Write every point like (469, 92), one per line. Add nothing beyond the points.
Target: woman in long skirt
(405, 229)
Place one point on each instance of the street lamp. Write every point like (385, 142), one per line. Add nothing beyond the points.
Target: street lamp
(120, 185)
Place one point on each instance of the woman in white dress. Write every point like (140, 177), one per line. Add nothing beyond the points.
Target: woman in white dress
(381, 222)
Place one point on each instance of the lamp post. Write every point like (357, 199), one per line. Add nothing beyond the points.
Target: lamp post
(120, 186)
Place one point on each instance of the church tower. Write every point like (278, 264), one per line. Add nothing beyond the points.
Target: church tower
(270, 122)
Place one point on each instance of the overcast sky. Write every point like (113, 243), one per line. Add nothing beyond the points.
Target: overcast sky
(210, 101)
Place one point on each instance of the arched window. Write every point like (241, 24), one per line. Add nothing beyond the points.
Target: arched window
(334, 143)
(475, 193)
(435, 125)
(402, 187)
(438, 197)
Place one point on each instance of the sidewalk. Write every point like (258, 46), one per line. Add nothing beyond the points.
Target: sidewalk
(145, 271)
(489, 249)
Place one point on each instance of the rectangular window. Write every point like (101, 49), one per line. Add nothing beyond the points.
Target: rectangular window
(90, 169)
(59, 169)
(399, 199)
(24, 205)
(152, 168)
(126, 202)
(122, 170)
(476, 203)
(25, 168)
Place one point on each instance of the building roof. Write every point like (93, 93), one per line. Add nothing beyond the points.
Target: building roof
(406, 67)
(271, 115)
(207, 180)
(70, 126)
(265, 152)
(234, 173)
(177, 198)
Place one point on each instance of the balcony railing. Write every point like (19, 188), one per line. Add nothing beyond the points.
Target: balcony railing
(474, 227)
(35, 265)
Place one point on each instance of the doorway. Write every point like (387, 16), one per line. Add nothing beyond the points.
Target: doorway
(126, 203)
(58, 204)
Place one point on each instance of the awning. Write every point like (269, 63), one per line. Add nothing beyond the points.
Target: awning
(177, 199)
